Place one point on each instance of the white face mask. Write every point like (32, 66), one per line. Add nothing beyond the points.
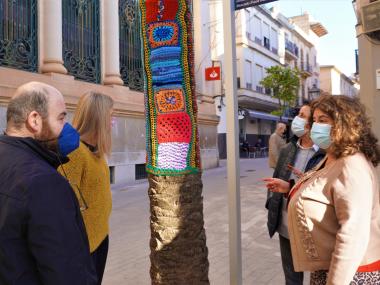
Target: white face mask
(298, 126)
(320, 134)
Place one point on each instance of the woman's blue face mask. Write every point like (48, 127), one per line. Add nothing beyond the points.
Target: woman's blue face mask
(321, 135)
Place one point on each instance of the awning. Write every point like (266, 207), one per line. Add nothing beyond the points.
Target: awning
(265, 116)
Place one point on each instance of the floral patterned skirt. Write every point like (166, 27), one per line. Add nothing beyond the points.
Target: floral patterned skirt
(360, 278)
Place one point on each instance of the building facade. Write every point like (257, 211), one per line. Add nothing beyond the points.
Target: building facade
(264, 38)
(79, 46)
(335, 82)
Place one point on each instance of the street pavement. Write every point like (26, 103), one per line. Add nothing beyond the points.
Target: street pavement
(128, 261)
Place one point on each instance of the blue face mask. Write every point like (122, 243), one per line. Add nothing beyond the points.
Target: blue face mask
(68, 140)
(298, 126)
(320, 134)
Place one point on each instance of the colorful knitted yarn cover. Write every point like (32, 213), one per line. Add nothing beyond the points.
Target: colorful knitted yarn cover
(171, 111)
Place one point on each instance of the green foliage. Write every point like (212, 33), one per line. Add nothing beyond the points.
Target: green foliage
(285, 83)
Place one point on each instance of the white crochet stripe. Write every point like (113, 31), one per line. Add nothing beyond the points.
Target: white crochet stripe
(172, 155)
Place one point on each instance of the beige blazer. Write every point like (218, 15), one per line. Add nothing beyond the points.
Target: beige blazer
(334, 219)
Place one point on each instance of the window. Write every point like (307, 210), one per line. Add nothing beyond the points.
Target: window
(18, 34)
(257, 32)
(266, 43)
(130, 44)
(308, 67)
(81, 39)
(112, 174)
(248, 74)
(258, 76)
(248, 24)
(274, 40)
(266, 35)
(140, 172)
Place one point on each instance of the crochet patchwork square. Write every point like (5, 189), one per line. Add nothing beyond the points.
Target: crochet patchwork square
(174, 127)
(163, 34)
(172, 155)
(170, 100)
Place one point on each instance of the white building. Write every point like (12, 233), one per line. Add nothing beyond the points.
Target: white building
(264, 38)
(335, 82)
(307, 33)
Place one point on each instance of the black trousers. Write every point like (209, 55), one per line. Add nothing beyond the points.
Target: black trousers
(99, 257)
(291, 277)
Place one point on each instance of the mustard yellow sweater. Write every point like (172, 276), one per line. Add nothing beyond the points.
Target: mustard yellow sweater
(91, 175)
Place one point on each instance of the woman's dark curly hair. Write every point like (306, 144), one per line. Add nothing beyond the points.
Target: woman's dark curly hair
(351, 132)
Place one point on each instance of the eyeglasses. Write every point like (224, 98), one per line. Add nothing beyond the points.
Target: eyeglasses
(82, 202)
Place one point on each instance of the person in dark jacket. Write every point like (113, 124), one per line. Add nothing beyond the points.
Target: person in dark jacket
(42, 236)
(296, 157)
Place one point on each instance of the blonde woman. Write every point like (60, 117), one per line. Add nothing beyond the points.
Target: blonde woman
(88, 172)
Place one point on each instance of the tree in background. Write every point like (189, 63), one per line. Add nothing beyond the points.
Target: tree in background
(284, 83)
(178, 239)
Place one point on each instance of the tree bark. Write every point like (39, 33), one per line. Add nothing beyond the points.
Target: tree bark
(178, 239)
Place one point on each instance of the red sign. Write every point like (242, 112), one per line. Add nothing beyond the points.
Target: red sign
(212, 73)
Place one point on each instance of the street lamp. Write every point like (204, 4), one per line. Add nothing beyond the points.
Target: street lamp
(241, 113)
(314, 92)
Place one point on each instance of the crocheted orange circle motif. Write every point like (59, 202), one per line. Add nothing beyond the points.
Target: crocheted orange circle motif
(163, 34)
(170, 100)
(175, 127)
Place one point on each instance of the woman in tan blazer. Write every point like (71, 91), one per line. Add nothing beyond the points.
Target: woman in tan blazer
(334, 210)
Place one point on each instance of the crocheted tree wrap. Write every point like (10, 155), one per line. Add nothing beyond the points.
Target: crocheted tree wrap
(170, 105)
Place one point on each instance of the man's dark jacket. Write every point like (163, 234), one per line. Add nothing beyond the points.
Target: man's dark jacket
(42, 236)
(274, 201)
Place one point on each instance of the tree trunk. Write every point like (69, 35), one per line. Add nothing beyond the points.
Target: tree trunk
(178, 240)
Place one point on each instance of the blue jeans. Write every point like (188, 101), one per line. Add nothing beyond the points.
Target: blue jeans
(291, 277)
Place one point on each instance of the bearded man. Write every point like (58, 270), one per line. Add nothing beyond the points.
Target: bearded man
(42, 235)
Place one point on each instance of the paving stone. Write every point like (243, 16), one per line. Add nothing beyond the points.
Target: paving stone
(128, 261)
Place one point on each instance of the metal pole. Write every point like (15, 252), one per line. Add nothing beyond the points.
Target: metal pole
(233, 167)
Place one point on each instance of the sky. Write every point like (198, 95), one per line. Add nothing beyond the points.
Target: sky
(338, 17)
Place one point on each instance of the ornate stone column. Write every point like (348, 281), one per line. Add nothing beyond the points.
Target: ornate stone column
(110, 43)
(52, 37)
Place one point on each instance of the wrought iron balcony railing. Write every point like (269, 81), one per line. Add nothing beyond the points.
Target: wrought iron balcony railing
(18, 34)
(291, 47)
(131, 69)
(81, 39)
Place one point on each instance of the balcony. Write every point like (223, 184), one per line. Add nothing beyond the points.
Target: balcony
(291, 50)
(306, 69)
(257, 99)
(274, 50)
